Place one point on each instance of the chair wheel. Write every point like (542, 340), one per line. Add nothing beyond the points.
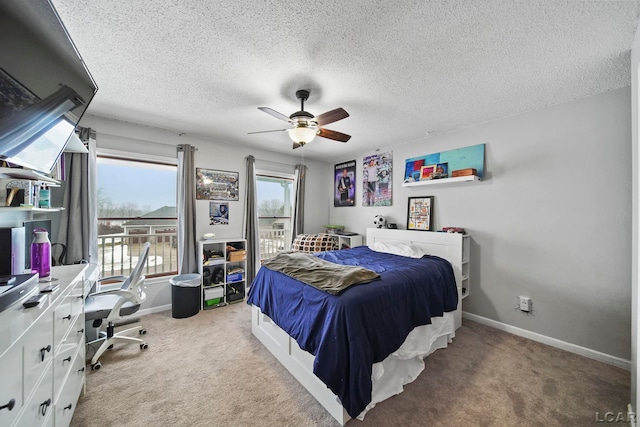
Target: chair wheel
(96, 366)
(144, 346)
(143, 331)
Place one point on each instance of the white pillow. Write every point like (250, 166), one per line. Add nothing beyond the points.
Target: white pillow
(398, 248)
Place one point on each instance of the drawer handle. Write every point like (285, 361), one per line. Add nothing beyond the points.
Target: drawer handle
(81, 369)
(67, 317)
(67, 407)
(68, 359)
(9, 405)
(44, 350)
(44, 406)
(81, 331)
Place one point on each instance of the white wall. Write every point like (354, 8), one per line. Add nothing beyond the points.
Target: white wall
(150, 142)
(551, 220)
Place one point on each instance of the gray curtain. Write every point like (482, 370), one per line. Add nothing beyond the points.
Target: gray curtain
(78, 228)
(187, 244)
(251, 233)
(298, 203)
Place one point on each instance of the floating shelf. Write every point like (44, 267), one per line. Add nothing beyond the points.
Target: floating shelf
(18, 173)
(28, 209)
(442, 181)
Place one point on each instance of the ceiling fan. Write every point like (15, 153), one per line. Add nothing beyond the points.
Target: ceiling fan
(305, 126)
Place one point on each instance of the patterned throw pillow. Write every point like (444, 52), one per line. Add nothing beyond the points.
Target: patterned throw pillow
(314, 243)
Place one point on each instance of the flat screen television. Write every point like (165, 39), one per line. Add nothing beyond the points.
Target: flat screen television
(45, 87)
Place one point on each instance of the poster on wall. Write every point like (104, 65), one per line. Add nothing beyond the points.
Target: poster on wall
(377, 175)
(344, 189)
(218, 213)
(216, 185)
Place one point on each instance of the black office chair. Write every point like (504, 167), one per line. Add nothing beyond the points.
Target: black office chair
(115, 303)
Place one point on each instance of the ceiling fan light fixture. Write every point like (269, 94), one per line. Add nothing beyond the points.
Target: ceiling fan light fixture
(302, 134)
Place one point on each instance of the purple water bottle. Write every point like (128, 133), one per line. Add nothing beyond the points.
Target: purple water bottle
(41, 253)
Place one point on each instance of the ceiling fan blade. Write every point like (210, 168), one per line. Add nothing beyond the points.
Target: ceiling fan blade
(274, 113)
(331, 116)
(266, 131)
(332, 134)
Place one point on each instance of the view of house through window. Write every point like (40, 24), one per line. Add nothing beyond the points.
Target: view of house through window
(136, 204)
(275, 212)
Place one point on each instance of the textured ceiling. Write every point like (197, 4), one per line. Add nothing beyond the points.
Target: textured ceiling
(400, 68)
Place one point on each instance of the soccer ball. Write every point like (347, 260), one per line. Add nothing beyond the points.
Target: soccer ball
(379, 221)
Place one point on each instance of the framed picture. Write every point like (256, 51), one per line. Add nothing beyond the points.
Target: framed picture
(218, 213)
(442, 171)
(344, 184)
(427, 172)
(420, 213)
(216, 185)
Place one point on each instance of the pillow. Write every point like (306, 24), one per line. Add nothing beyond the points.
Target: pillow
(314, 243)
(398, 248)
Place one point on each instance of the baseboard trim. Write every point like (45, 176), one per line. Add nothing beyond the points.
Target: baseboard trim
(553, 342)
(153, 310)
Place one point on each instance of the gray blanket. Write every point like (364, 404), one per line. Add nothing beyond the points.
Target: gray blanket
(324, 275)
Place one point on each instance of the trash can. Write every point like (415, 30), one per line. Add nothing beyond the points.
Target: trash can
(185, 295)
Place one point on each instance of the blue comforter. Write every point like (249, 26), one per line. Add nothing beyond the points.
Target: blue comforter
(349, 332)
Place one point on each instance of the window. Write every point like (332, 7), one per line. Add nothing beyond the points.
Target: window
(275, 212)
(136, 204)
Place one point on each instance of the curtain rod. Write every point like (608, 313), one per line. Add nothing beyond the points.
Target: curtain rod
(277, 163)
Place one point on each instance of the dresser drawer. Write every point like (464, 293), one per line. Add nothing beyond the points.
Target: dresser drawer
(71, 389)
(63, 317)
(38, 351)
(11, 389)
(62, 363)
(38, 409)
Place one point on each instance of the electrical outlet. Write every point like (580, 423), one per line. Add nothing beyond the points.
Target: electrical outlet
(525, 304)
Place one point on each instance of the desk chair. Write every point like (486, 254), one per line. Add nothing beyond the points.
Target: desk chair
(117, 302)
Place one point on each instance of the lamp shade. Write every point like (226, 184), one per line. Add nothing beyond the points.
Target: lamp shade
(302, 134)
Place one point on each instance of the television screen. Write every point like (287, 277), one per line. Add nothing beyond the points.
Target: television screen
(45, 86)
(43, 152)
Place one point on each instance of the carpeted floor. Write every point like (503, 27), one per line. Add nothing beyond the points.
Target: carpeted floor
(208, 370)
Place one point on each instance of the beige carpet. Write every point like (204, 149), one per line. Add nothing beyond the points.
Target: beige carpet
(208, 370)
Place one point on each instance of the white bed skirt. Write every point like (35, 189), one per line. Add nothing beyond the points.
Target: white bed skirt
(404, 365)
(388, 377)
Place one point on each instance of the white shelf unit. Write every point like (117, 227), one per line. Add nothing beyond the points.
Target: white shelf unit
(345, 241)
(223, 271)
(443, 181)
(464, 265)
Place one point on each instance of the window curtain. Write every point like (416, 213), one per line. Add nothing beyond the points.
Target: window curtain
(298, 202)
(251, 233)
(187, 245)
(78, 228)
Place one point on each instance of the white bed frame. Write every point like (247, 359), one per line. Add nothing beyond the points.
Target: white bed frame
(300, 363)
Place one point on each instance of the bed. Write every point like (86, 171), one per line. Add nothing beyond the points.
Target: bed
(370, 339)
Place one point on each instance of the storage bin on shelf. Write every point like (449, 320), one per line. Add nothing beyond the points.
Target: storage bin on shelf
(213, 296)
(236, 256)
(235, 277)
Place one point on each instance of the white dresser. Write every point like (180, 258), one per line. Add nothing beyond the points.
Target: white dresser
(42, 360)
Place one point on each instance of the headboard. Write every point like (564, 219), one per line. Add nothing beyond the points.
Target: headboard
(444, 245)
